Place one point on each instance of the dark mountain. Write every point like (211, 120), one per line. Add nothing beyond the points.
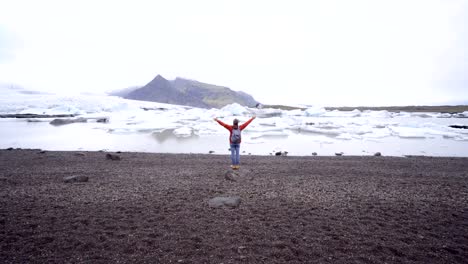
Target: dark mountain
(187, 92)
(124, 92)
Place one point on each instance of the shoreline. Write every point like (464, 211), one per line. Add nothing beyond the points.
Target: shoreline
(156, 208)
(243, 155)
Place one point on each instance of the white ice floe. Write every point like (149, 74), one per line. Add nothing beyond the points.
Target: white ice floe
(408, 132)
(183, 132)
(425, 114)
(337, 113)
(315, 111)
(376, 114)
(273, 126)
(268, 112)
(235, 109)
(295, 112)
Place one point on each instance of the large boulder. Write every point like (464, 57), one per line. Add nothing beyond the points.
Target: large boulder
(112, 156)
(231, 202)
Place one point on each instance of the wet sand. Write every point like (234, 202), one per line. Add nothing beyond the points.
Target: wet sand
(153, 208)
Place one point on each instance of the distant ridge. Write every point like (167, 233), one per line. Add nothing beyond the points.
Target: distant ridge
(186, 92)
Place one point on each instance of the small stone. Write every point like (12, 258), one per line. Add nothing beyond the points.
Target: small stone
(102, 120)
(378, 154)
(112, 156)
(80, 154)
(231, 202)
(78, 178)
(42, 152)
(339, 154)
(211, 152)
(10, 149)
(314, 153)
(230, 175)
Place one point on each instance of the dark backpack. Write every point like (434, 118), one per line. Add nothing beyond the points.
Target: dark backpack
(236, 136)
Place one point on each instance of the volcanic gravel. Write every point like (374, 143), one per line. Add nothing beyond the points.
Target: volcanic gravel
(153, 208)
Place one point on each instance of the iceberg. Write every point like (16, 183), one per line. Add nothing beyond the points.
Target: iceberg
(377, 114)
(235, 109)
(315, 111)
(183, 132)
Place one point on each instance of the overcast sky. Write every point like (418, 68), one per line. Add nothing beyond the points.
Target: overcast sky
(315, 52)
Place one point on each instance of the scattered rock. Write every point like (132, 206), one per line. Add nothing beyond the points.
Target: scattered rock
(231, 202)
(10, 149)
(378, 154)
(212, 151)
(60, 122)
(459, 126)
(80, 154)
(112, 156)
(281, 153)
(230, 175)
(310, 124)
(42, 152)
(78, 178)
(102, 120)
(339, 154)
(314, 153)
(118, 152)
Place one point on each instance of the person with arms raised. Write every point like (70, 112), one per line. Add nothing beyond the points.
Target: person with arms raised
(235, 139)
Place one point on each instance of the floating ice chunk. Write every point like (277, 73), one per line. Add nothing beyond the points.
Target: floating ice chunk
(378, 133)
(402, 114)
(183, 132)
(315, 111)
(444, 115)
(408, 132)
(317, 130)
(377, 114)
(235, 109)
(268, 112)
(424, 114)
(296, 112)
(337, 113)
(267, 121)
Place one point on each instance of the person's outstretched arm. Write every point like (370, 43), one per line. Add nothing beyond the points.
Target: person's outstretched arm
(247, 123)
(228, 127)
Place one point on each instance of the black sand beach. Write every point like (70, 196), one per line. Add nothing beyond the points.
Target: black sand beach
(153, 208)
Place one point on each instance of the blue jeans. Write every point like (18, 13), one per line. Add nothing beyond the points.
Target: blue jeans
(235, 154)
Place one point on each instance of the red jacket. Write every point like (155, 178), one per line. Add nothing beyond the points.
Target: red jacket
(229, 127)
